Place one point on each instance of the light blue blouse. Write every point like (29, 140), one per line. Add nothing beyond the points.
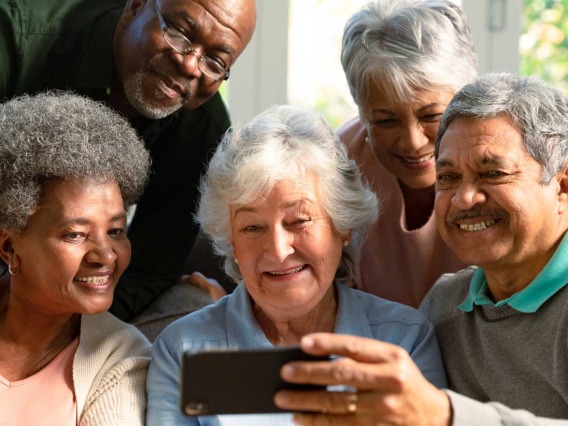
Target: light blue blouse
(231, 323)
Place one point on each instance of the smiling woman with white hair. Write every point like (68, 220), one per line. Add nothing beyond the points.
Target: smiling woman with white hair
(286, 208)
(69, 168)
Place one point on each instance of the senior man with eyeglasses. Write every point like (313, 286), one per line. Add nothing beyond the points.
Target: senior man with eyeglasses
(160, 64)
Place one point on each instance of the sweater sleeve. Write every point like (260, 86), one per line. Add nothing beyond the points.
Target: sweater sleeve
(469, 412)
(109, 372)
(120, 396)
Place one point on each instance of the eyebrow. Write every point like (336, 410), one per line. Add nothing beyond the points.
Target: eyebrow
(195, 27)
(244, 209)
(422, 109)
(248, 209)
(485, 161)
(433, 104)
(84, 221)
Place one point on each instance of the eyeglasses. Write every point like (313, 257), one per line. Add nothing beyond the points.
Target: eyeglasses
(177, 41)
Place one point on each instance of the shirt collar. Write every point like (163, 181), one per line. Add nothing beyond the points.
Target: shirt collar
(351, 317)
(243, 329)
(550, 280)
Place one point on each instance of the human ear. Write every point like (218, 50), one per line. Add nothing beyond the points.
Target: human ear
(234, 251)
(347, 239)
(6, 246)
(133, 7)
(127, 25)
(562, 180)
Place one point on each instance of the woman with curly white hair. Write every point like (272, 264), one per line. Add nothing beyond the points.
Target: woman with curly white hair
(286, 208)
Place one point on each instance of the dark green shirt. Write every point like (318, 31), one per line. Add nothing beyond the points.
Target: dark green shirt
(67, 44)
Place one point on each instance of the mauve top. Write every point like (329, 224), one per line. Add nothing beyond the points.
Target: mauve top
(396, 263)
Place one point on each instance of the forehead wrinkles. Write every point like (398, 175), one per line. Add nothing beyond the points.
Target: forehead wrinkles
(226, 14)
(497, 134)
(483, 154)
(422, 101)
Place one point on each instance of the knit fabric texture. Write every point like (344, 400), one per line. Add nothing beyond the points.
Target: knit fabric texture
(109, 372)
(498, 354)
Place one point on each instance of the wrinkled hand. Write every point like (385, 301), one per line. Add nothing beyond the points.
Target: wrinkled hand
(208, 285)
(391, 390)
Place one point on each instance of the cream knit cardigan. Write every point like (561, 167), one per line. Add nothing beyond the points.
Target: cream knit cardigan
(109, 372)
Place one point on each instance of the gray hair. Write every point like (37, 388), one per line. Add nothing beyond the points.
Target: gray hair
(285, 143)
(63, 135)
(405, 45)
(538, 110)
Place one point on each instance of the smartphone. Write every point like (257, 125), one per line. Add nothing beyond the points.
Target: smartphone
(237, 381)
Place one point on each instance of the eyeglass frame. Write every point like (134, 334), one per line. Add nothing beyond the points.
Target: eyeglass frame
(192, 49)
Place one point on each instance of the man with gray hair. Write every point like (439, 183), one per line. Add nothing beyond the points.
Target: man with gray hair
(502, 204)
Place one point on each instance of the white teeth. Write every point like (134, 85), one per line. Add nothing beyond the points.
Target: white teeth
(476, 226)
(291, 271)
(418, 160)
(94, 280)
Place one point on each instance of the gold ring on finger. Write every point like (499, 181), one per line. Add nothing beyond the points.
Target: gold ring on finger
(352, 403)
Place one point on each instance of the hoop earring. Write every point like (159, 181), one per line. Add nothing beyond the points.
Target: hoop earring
(12, 271)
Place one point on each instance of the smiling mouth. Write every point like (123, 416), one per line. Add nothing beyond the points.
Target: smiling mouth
(290, 271)
(417, 160)
(94, 280)
(174, 88)
(473, 227)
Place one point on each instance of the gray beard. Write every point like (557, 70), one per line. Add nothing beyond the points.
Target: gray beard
(133, 92)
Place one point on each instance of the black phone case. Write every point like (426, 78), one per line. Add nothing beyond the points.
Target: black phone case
(235, 381)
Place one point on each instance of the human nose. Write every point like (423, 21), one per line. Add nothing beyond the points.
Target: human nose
(467, 195)
(413, 137)
(189, 63)
(278, 245)
(102, 252)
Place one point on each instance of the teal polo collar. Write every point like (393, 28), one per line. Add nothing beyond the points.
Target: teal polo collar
(551, 279)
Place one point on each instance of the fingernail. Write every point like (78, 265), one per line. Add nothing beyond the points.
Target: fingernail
(297, 419)
(287, 371)
(308, 342)
(281, 398)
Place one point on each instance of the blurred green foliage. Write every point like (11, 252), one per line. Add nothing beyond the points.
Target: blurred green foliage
(544, 43)
(224, 92)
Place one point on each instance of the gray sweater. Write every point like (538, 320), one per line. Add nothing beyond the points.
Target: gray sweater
(507, 360)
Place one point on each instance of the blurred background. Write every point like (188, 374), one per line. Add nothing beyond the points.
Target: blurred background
(294, 55)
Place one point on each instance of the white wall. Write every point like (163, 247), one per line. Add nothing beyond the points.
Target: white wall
(258, 79)
(496, 26)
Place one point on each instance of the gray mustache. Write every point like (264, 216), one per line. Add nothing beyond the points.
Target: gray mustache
(475, 214)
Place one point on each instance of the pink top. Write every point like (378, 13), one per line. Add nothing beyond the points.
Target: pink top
(46, 398)
(396, 264)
